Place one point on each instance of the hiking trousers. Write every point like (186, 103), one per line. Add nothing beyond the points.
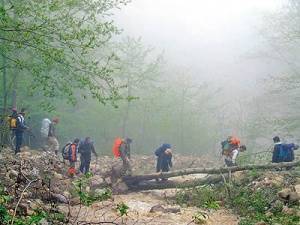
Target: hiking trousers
(19, 139)
(85, 161)
(53, 144)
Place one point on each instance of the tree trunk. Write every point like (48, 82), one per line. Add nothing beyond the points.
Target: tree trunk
(136, 179)
(149, 185)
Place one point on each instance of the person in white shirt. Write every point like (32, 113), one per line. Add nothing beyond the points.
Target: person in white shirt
(230, 159)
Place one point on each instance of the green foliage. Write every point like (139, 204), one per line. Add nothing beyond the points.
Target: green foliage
(202, 197)
(88, 198)
(122, 208)
(54, 46)
(250, 203)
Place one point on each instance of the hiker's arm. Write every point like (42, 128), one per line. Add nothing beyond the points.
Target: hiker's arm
(94, 151)
(170, 161)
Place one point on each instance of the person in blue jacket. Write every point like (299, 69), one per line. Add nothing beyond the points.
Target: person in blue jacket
(164, 158)
(283, 152)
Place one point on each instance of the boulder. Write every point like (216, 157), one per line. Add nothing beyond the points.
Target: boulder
(59, 198)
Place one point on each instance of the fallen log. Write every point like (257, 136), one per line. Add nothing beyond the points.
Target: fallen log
(136, 179)
(150, 185)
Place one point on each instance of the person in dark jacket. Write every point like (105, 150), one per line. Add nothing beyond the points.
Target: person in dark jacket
(283, 152)
(21, 127)
(86, 148)
(164, 158)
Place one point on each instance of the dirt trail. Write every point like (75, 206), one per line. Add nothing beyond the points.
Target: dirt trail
(140, 204)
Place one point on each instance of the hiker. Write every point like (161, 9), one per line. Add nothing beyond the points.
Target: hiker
(72, 156)
(230, 150)
(19, 130)
(164, 158)
(121, 149)
(86, 148)
(44, 133)
(52, 140)
(283, 152)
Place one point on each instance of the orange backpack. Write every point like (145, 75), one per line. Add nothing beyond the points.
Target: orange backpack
(235, 141)
(116, 147)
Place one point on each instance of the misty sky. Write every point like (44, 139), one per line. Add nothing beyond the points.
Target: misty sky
(212, 39)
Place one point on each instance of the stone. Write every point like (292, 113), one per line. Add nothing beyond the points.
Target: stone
(157, 208)
(294, 197)
(288, 211)
(12, 174)
(59, 198)
(58, 176)
(96, 181)
(284, 194)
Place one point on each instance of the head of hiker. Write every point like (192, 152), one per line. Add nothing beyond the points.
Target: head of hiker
(55, 120)
(128, 140)
(276, 139)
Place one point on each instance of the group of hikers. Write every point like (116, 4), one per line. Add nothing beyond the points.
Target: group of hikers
(231, 147)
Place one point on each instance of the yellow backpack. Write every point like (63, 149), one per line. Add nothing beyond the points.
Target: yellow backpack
(12, 122)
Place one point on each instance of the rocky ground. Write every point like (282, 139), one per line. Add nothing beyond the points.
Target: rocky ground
(38, 180)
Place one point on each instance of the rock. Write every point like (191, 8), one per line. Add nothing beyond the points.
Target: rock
(58, 176)
(96, 181)
(12, 174)
(160, 208)
(288, 211)
(157, 208)
(284, 194)
(172, 209)
(294, 197)
(59, 198)
(289, 196)
(108, 180)
(297, 189)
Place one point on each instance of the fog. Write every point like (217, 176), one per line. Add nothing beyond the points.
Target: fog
(213, 39)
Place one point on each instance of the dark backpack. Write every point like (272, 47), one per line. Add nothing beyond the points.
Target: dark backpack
(65, 151)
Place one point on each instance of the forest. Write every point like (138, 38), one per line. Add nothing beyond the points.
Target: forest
(188, 73)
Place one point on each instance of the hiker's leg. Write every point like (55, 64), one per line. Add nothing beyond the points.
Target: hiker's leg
(19, 138)
(82, 164)
(87, 165)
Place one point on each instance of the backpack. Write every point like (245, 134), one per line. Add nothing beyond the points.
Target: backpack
(12, 122)
(235, 141)
(72, 152)
(116, 147)
(65, 151)
(225, 147)
(45, 127)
